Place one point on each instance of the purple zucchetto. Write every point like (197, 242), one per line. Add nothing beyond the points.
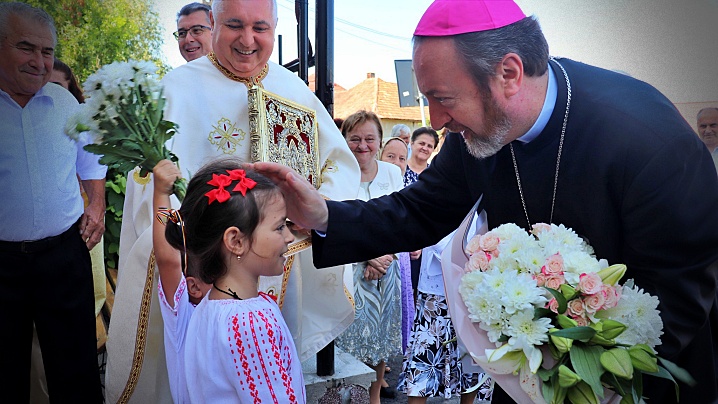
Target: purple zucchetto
(452, 17)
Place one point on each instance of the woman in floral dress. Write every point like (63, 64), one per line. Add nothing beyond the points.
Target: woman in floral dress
(375, 334)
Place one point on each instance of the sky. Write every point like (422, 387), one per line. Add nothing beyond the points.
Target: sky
(667, 43)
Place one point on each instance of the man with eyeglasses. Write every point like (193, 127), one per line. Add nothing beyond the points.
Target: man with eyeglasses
(194, 31)
(313, 302)
(46, 232)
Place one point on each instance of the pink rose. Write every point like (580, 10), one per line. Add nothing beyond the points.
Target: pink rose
(590, 283)
(613, 295)
(540, 279)
(473, 245)
(553, 305)
(594, 302)
(539, 228)
(553, 265)
(575, 308)
(479, 261)
(555, 281)
(581, 321)
(489, 242)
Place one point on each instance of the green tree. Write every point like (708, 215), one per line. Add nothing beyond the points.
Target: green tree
(91, 34)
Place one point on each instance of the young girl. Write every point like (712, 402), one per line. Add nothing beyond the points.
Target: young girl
(180, 284)
(238, 347)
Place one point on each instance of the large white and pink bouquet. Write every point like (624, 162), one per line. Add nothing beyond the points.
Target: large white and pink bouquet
(557, 313)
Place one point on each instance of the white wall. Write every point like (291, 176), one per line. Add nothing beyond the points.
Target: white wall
(671, 44)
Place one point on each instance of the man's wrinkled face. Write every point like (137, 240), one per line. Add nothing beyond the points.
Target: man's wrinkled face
(708, 128)
(243, 36)
(455, 100)
(27, 58)
(196, 40)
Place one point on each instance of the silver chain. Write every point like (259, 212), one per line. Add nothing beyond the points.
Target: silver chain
(558, 158)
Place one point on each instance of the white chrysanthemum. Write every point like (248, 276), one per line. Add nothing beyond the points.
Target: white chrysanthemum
(639, 311)
(523, 329)
(71, 126)
(526, 333)
(509, 231)
(561, 235)
(521, 293)
(144, 67)
(494, 331)
(576, 263)
(496, 281)
(484, 309)
(530, 259)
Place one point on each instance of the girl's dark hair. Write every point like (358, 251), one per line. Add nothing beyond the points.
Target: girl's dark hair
(74, 87)
(424, 130)
(205, 223)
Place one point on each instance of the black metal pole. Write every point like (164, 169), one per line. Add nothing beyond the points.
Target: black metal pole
(302, 10)
(324, 83)
(279, 50)
(325, 54)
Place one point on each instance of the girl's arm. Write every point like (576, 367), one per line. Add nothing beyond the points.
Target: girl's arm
(169, 262)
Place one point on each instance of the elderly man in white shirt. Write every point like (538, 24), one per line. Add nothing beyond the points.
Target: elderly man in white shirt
(46, 232)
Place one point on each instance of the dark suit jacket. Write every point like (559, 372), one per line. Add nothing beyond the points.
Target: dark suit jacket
(634, 180)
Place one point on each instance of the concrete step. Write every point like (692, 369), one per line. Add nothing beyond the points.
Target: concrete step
(347, 370)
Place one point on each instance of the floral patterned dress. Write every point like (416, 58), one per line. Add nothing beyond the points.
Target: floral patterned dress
(375, 334)
(433, 365)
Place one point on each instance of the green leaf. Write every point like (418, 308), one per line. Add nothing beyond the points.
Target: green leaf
(579, 333)
(586, 363)
(544, 374)
(611, 329)
(664, 374)
(598, 339)
(540, 312)
(678, 372)
(567, 377)
(637, 385)
(642, 360)
(547, 389)
(562, 303)
(618, 362)
(565, 321)
(582, 393)
(620, 386)
(568, 292)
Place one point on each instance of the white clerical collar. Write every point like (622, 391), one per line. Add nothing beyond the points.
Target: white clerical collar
(546, 111)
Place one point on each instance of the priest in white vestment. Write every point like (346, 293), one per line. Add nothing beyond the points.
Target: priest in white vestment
(207, 98)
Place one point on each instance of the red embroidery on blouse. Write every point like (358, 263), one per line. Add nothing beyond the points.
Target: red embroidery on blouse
(261, 327)
(286, 378)
(245, 365)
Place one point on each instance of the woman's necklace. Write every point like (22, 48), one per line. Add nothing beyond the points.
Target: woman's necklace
(558, 158)
(230, 293)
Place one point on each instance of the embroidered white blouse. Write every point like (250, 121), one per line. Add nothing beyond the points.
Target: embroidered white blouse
(240, 351)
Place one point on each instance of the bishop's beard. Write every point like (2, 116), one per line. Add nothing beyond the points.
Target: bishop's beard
(493, 135)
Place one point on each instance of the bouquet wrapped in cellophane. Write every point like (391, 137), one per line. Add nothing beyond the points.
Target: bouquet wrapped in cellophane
(558, 319)
(124, 115)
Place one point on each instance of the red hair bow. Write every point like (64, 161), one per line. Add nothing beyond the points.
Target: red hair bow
(221, 181)
(245, 183)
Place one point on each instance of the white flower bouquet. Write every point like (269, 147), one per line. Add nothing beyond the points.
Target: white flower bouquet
(124, 115)
(556, 313)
